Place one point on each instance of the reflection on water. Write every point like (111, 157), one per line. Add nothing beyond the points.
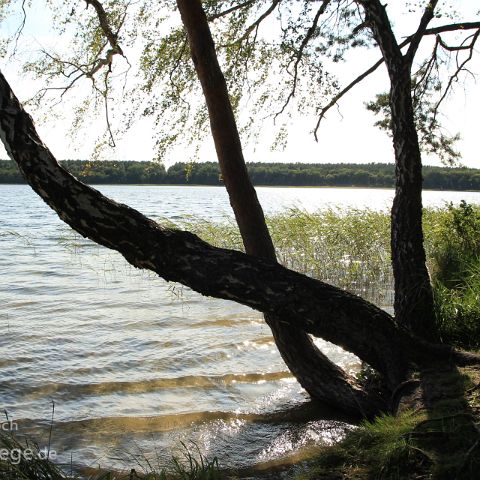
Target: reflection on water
(135, 364)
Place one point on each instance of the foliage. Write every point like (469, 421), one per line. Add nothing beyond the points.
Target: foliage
(455, 266)
(432, 138)
(279, 58)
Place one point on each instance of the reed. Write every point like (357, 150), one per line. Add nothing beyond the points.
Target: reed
(454, 255)
(351, 249)
(347, 248)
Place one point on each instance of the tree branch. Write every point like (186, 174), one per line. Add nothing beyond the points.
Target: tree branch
(416, 38)
(308, 304)
(105, 25)
(259, 20)
(342, 92)
(430, 31)
(314, 306)
(21, 27)
(377, 18)
(460, 68)
(457, 48)
(226, 12)
(299, 54)
(451, 27)
(320, 377)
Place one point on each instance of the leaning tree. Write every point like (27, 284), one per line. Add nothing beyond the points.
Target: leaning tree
(295, 306)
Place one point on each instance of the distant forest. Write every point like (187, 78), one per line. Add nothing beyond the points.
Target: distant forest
(280, 174)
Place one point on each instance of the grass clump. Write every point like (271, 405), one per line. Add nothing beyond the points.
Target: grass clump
(24, 460)
(190, 465)
(378, 449)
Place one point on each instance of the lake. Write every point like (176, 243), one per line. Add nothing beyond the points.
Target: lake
(134, 365)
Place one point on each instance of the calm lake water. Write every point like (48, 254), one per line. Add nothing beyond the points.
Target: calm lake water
(136, 365)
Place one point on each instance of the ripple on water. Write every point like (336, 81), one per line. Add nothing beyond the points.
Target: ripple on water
(131, 360)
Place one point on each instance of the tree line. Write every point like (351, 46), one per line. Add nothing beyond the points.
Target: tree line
(380, 175)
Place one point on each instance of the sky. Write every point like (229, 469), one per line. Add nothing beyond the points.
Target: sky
(347, 134)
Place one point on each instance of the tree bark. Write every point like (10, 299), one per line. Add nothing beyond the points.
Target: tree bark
(413, 292)
(413, 303)
(320, 377)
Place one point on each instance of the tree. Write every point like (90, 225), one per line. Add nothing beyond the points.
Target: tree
(413, 293)
(315, 372)
(295, 306)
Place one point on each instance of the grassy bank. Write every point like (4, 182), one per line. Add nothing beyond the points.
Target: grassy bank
(439, 442)
(437, 436)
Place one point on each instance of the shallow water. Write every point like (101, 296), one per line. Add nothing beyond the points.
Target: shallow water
(134, 364)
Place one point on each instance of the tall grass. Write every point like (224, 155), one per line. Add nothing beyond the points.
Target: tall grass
(347, 248)
(351, 249)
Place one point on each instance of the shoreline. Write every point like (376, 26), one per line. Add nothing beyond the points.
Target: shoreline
(343, 187)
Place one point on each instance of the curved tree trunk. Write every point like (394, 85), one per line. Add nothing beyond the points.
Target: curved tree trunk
(413, 290)
(302, 302)
(320, 377)
(318, 308)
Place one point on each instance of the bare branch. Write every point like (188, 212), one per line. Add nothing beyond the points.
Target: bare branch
(460, 68)
(226, 12)
(429, 31)
(112, 38)
(418, 35)
(107, 110)
(455, 48)
(259, 20)
(420, 84)
(452, 27)
(20, 28)
(342, 92)
(299, 54)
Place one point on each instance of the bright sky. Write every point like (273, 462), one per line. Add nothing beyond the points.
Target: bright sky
(346, 135)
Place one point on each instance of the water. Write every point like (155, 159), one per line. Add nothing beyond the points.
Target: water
(134, 364)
